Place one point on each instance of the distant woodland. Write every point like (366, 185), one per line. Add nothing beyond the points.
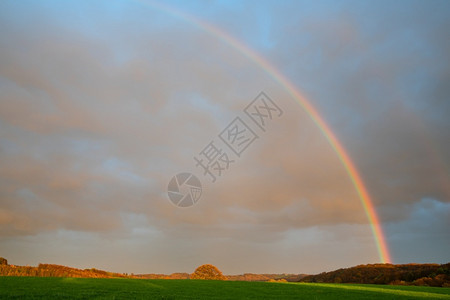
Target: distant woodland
(409, 274)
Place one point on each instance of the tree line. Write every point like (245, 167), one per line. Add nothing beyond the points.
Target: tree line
(203, 272)
(407, 274)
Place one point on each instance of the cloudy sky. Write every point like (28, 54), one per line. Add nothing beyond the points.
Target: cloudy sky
(103, 102)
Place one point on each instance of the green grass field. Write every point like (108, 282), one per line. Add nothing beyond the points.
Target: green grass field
(88, 288)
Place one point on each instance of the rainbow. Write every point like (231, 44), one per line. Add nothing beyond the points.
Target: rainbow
(349, 166)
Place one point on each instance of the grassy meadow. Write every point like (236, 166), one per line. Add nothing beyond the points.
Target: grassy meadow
(102, 288)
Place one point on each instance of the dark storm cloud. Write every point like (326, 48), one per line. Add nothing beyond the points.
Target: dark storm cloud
(384, 68)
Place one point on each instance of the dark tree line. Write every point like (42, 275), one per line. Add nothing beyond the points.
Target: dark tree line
(409, 274)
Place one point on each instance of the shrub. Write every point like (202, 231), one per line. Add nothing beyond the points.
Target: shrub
(3, 261)
(208, 272)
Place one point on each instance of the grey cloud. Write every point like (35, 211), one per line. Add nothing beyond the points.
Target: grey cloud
(93, 127)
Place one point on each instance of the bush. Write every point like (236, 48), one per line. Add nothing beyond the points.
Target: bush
(207, 272)
(3, 261)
